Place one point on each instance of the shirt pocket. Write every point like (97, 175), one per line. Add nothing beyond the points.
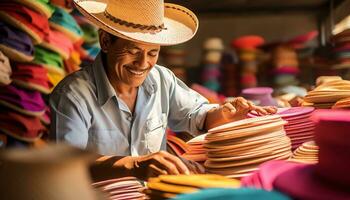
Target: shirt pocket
(155, 133)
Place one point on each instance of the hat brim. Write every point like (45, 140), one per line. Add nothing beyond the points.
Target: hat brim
(15, 55)
(181, 24)
(300, 182)
(31, 86)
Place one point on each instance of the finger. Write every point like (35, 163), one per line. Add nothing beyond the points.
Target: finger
(241, 103)
(228, 107)
(165, 164)
(182, 168)
(156, 171)
(260, 110)
(271, 109)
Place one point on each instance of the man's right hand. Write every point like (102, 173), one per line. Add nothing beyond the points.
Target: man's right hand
(153, 165)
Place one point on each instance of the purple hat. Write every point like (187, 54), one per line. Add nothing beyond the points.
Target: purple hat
(260, 95)
(24, 101)
(15, 44)
(330, 177)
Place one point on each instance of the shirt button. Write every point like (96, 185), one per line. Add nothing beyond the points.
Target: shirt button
(129, 118)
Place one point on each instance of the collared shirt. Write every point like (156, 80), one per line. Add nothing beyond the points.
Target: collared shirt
(87, 113)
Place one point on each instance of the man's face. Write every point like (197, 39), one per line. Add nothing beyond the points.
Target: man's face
(130, 62)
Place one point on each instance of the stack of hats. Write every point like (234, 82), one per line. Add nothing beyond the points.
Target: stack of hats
(121, 188)
(246, 47)
(168, 186)
(236, 149)
(261, 96)
(285, 65)
(299, 128)
(341, 50)
(328, 92)
(306, 153)
(230, 75)
(176, 145)
(174, 57)
(195, 149)
(211, 61)
(329, 178)
(39, 37)
(237, 194)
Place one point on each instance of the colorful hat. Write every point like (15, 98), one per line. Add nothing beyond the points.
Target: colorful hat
(73, 63)
(65, 23)
(329, 178)
(24, 101)
(91, 50)
(237, 194)
(48, 59)
(54, 79)
(261, 96)
(247, 42)
(32, 77)
(27, 20)
(21, 127)
(90, 33)
(5, 70)
(59, 43)
(41, 6)
(15, 44)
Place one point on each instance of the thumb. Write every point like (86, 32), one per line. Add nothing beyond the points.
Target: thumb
(229, 110)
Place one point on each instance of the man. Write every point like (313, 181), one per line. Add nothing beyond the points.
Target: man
(121, 105)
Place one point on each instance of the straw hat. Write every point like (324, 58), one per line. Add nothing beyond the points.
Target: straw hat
(55, 172)
(147, 21)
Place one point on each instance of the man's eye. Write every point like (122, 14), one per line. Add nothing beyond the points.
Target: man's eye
(133, 52)
(153, 54)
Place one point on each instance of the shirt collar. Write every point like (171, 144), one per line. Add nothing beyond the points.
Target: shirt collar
(105, 90)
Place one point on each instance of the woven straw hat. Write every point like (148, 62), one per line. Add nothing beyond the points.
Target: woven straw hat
(145, 21)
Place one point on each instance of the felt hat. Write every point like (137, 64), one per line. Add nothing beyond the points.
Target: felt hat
(152, 21)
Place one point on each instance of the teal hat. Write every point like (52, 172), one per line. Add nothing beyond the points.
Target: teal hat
(64, 22)
(50, 60)
(237, 194)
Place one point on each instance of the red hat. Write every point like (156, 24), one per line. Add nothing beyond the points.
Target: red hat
(330, 178)
(247, 42)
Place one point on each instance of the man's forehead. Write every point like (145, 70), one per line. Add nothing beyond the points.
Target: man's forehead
(136, 45)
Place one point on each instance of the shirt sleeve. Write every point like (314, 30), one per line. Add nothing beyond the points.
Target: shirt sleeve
(68, 123)
(187, 109)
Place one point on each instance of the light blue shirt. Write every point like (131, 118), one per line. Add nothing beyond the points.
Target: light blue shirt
(87, 113)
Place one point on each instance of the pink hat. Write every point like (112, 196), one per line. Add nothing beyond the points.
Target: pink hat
(330, 178)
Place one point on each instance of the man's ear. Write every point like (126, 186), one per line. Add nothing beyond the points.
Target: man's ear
(105, 40)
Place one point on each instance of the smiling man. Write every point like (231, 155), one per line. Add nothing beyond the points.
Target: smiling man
(121, 105)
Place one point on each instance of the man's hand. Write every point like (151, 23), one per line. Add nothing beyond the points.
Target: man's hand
(234, 110)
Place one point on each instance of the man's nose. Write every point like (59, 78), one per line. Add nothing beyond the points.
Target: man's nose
(141, 61)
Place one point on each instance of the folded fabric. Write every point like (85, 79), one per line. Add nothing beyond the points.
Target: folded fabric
(24, 101)
(32, 77)
(41, 6)
(64, 22)
(237, 194)
(21, 127)
(67, 5)
(5, 70)
(54, 79)
(15, 44)
(48, 59)
(27, 20)
(59, 43)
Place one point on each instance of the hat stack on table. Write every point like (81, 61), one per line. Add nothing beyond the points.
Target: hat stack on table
(121, 188)
(306, 153)
(329, 178)
(168, 186)
(37, 36)
(341, 50)
(212, 53)
(330, 92)
(236, 149)
(176, 145)
(195, 149)
(246, 47)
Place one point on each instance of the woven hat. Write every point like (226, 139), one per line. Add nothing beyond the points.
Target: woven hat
(151, 21)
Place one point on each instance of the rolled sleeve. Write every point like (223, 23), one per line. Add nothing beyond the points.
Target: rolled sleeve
(68, 121)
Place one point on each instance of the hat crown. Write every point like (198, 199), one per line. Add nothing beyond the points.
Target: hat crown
(140, 12)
